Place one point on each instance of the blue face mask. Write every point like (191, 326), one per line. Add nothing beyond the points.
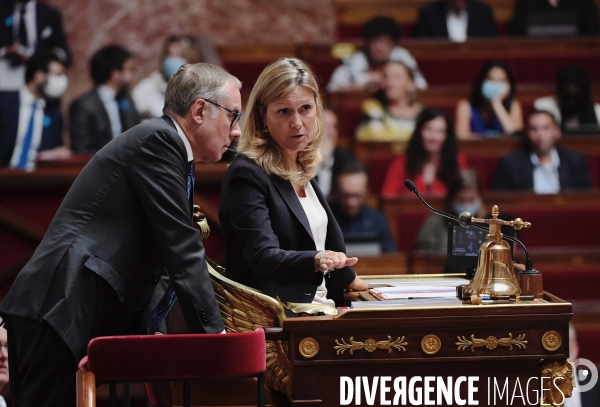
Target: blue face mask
(472, 207)
(171, 64)
(490, 89)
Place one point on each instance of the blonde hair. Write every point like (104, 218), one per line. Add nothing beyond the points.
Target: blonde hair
(277, 79)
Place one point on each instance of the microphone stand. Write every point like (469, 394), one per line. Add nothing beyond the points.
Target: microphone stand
(464, 219)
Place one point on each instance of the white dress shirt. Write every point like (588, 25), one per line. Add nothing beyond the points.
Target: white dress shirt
(2, 402)
(26, 101)
(457, 25)
(317, 219)
(545, 177)
(108, 98)
(186, 142)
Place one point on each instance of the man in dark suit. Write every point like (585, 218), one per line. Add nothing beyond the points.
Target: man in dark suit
(108, 109)
(456, 20)
(542, 166)
(125, 223)
(26, 125)
(27, 26)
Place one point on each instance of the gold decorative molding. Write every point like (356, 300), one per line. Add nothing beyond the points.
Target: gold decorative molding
(491, 342)
(370, 345)
(308, 347)
(551, 341)
(431, 344)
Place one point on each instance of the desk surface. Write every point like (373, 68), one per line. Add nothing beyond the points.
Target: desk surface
(504, 340)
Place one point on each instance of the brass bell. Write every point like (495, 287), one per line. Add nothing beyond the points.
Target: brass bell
(495, 275)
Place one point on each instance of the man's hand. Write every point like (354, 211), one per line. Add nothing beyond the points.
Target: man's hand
(357, 285)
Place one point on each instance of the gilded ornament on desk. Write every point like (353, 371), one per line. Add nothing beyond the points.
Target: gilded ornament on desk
(308, 347)
(557, 377)
(495, 275)
(491, 342)
(551, 341)
(370, 345)
(431, 344)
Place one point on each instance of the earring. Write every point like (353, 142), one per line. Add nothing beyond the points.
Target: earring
(265, 130)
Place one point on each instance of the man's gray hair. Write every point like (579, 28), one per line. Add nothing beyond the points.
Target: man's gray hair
(194, 81)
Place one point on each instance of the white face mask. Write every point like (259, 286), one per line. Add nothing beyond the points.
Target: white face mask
(56, 85)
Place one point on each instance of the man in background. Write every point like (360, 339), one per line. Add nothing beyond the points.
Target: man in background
(542, 166)
(27, 127)
(3, 365)
(360, 224)
(456, 20)
(108, 109)
(361, 71)
(27, 26)
(333, 156)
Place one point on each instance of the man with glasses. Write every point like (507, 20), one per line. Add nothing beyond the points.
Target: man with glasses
(124, 226)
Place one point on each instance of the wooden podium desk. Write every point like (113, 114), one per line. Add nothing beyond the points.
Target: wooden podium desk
(505, 341)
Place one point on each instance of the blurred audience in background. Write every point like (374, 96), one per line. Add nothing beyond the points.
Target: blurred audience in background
(149, 94)
(544, 18)
(107, 110)
(464, 194)
(456, 20)
(431, 159)
(28, 126)
(27, 26)
(541, 166)
(573, 106)
(366, 230)
(492, 110)
(361, 71)
(391, 114)
(333, 156)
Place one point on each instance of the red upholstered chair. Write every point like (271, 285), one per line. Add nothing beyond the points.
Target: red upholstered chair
(147, 358)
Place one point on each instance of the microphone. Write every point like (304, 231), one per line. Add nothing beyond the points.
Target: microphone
(465, 220)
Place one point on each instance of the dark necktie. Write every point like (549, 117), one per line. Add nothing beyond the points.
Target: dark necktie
(23, 40)
(168, 300)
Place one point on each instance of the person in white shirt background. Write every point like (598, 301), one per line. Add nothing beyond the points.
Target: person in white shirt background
(3, 365)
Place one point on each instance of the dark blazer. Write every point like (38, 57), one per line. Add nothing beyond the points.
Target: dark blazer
(515, 171)
(432, 20)
(124, 220)
(9, 125)
(268, 239)
(49, 33)
(89, 123)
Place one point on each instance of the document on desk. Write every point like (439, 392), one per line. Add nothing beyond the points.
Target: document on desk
(415, 288)
(413, 291)
(430, 303)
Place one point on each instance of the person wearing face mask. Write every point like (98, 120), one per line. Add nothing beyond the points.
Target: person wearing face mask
(391, 114)
(573, 106)
(107, 110)
(463, 195)
(431, 159)
(491, 110)
(29, 127)
(149, 94)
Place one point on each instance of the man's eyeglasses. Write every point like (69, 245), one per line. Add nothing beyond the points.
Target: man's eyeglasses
(236, 115)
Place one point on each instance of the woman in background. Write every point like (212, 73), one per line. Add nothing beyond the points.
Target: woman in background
(390, 116)
(431, 159)
(492, 110)
(573, 106)
(280, 234)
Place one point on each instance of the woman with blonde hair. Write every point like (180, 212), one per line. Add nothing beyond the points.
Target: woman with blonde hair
(280, 234)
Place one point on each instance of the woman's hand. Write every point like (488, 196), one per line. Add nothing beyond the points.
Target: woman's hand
(357, 285)
(328, 260)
